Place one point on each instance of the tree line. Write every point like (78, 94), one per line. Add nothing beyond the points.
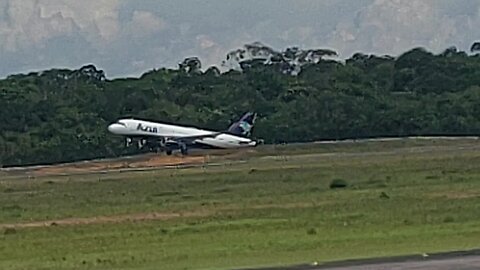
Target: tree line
(61, 115)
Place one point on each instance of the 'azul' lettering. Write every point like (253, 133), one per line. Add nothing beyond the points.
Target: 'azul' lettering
(147, 128)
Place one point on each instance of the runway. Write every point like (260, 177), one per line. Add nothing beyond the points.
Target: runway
(152, 161)
(460, 260)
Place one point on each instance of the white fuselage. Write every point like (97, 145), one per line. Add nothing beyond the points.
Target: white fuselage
(140, 128)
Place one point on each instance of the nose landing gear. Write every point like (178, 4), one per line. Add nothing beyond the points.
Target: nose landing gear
(128, 142)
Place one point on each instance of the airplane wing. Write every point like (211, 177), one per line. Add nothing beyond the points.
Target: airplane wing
(190, 139)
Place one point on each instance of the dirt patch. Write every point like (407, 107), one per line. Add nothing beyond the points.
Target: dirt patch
(297, 205)
(139, 217)
(456, 194)
(147, 161)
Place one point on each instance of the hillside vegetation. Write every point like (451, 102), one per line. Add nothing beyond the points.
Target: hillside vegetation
(301, 95)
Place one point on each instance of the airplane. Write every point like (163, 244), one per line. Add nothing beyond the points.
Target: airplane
(166, 137)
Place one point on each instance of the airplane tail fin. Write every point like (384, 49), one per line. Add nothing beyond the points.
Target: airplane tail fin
(244, 126)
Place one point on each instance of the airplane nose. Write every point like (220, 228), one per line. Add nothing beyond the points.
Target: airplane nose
(115, 128)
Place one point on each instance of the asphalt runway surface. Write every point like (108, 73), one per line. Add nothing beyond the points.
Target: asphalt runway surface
(460, 260)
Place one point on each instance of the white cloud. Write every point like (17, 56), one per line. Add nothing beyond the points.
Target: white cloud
(393, 26)
(205, 42)
(38, 34)
(96, 18)
(27, 24)
(146, 22)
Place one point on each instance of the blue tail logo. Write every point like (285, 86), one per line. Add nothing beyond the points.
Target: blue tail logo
(244, 126)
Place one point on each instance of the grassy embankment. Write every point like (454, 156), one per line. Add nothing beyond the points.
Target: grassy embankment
(276, 208)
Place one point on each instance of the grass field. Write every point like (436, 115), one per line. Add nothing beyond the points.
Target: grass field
(273, 208)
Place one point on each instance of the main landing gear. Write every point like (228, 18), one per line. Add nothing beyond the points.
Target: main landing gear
(157, 146)
(183, 148)
(169, 150)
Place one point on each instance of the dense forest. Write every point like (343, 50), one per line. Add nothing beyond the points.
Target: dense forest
(300, 95)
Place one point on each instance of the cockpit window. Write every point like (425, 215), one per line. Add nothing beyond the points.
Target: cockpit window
(121, 123)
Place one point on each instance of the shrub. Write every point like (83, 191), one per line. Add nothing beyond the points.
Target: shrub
(384, 195)
(9, 231)
(448, 219)
(338, 183)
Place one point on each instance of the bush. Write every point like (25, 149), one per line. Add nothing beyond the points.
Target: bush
(338, 183)
(9, 231)
(448, 219)
(384, 195)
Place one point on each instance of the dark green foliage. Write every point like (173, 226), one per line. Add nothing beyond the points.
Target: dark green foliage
(448, 219)
(338, 183)
(8, 231)
(384, 195)
(61, 115)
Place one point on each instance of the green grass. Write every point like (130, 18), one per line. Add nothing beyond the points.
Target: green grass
(274, 209)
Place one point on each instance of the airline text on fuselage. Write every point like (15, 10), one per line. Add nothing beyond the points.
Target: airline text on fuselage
(147, 128)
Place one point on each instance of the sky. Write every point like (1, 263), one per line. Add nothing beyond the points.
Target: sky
(130, 37)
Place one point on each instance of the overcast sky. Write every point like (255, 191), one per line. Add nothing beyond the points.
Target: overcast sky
(129, 37)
